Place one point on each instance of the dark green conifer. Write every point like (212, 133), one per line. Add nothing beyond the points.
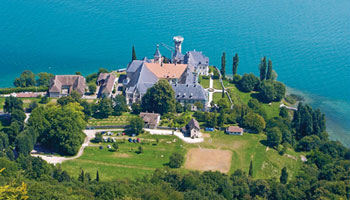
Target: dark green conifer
(223, 65)
(133, 54)
(235, 64)
(251, 168)
(269, 70)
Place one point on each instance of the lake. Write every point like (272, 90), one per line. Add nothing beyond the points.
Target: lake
(308, 41)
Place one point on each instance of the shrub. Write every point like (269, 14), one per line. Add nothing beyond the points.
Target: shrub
(176, 160)
(248, 82)
(23, 89)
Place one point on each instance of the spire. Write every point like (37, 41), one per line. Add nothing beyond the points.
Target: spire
(157, 55)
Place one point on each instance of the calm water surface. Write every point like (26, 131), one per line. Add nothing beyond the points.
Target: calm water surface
(308, 41)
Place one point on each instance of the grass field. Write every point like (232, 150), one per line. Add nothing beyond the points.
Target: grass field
(204, 82)
(111, 120)
(126, 162)
(217, 84)
(266, 163)
(238, 97)
(26, 102)
(217, 96)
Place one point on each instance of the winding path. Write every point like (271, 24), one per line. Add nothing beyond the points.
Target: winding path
(90, 134)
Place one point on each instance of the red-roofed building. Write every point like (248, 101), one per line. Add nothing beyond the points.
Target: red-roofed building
(234, 130)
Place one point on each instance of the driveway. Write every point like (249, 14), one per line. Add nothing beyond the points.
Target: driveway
(90, 134)
(176, 133)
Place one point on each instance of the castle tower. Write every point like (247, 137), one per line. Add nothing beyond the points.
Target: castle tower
(157, 55)
(178, 42)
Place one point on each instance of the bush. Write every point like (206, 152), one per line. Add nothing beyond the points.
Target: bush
(176, 160)
(236, 78)
(23, 89)
(248, 82)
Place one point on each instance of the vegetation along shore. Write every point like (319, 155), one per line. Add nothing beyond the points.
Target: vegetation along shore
(166, 128)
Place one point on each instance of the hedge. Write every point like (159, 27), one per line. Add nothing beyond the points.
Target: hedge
(23, 89)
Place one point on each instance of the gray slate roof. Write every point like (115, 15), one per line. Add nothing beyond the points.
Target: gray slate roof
(141, 79)
(196, 58)
(189, 92)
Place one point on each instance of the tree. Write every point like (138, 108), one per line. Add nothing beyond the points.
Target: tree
(44, 79)
(223, 65)
(235, 64)
(160, 98)
(115, 146)
(105, 107)
(272, 90)
(92, 88)
(284, 176)
(223, 104)
(120, 105)
(136, 108)
(44, 100)
(199, 105)
(32, 106)
(269, 70)
(26, 79)
(24, 144)
(98, 138)
(262, 68)
(274, 137)
(13, 131)
(81, 176)
(4, 141)
(133, 54)
(254, 122)
(136, 125)
(19, 116)
(250, 173)
(12, 103)
(176, 160)
(140, 149)
(60, 128)
(97, 176)
(248, 82)
(221, 118)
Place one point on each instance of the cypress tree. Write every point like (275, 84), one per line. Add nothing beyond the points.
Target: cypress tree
(251, 168)
(262, 68)
(97, 177)
(235, 64)
(284, 176)
(269, 70)
(133, 54)
(223, 65)
(81, 176)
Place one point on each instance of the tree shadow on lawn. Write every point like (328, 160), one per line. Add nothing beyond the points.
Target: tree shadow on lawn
(264, 142)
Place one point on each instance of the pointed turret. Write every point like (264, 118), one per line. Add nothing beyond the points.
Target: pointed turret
(157, 55)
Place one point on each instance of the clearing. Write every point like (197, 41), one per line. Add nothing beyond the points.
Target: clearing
(208, 160)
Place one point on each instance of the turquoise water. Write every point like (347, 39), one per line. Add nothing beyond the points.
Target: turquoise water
(308, 41)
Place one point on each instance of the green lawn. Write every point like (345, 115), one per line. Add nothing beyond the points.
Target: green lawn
(204, 82)
(126, 162)
(266, 163)
(217, 96)
(238, 97)
(111, 120)
(217, 84)
(26, 101)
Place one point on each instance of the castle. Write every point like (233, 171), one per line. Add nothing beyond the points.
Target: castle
(182, 73)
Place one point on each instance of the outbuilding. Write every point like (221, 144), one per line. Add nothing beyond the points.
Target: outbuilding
(234, 130)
